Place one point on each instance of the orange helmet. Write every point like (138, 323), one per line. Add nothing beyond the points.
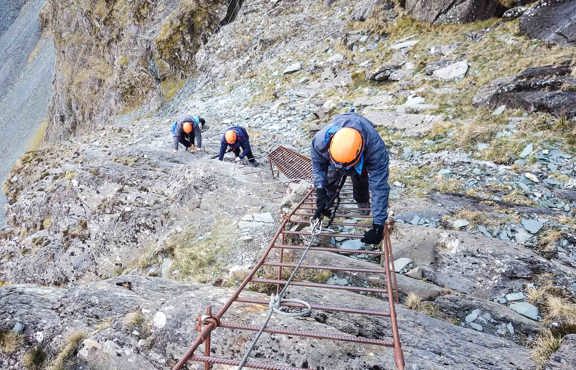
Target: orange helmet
(230, 136)
(187, 127)
(346, 146)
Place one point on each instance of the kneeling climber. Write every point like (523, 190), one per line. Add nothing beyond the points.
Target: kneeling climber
(236, 138)
(187, 130)
(350, 146)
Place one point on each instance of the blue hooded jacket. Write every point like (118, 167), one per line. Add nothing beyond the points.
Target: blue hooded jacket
(178, 132)
(374, 159)
(242, 141)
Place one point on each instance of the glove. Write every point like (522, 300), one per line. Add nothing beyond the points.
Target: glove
(321, 203)
(374, 235)
(237, 159)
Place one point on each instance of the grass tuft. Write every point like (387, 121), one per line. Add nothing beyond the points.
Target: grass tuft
(544, 346)
(69, 349)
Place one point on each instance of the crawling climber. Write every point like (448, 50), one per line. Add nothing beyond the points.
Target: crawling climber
(350, 146)
(236, 138)
(187, 130)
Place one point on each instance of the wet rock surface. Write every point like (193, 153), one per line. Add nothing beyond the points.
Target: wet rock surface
(544, 89)
(551, 20)
(460, 11)
(119, 322)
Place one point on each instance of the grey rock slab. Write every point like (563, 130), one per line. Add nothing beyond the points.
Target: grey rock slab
(412, 125)
(455, 71)
(531, 177)
(460, 223)
(476, 327)
(404, 45)
(531, 225)
(450, 11)
(548, 89)
(514, 13)
(498, 111)
(353, 244)
(527, 150)
(552, 21)
(472, 316)
(292, 68)
(403, 264)
(517, 296)
(526, 309)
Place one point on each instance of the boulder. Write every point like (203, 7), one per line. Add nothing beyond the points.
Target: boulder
(454, 71)
(453, 11)
(551, 20)
(548, 89)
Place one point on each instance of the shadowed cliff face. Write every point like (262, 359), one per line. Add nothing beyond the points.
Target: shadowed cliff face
(116, 56)
(26, 73)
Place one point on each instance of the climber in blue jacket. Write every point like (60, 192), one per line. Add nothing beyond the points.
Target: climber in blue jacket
(236, 138)
(187, 130)
(350, 146)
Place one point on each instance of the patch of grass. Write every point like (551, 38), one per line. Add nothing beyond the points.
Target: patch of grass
(9, 341)
(171, 86)
(562, 312)
(69, 349)
(415, 178)
(38, 137)
(503, 151)
(34, 358)
(548, 239)
(197, 258)
(413, 301)
(474, 217)
(518, 197)
(544, 346)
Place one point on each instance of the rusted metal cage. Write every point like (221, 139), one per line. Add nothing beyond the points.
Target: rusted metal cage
(288, 237)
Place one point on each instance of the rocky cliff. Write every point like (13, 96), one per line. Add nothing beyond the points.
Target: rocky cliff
(114, 243)
(116, 56)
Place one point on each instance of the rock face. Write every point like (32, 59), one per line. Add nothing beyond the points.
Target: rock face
(147, 323)
(450, 11)
(544, 89)
(565, 357)
(551, 20)
(105, 65)
(28, 59)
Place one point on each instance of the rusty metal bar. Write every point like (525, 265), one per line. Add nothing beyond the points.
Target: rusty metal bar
(309, 334)
(291, 163)
(251, 363)
(398, 355)
(325, 233)
(318, 307)
(331, 268)
(320, 285)
(333, 250)
(296, 166)
(308, 214)
(213, 324)
(334, 223)
(207, 342)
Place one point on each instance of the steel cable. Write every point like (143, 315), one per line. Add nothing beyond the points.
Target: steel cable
(276, 300)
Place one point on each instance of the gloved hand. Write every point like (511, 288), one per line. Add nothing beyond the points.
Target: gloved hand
(374, 235)
(237, 159)
(321, 203)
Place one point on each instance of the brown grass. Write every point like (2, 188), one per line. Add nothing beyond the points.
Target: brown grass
(9, 341)
(544, 346)
(413, 302)
(71, 346)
